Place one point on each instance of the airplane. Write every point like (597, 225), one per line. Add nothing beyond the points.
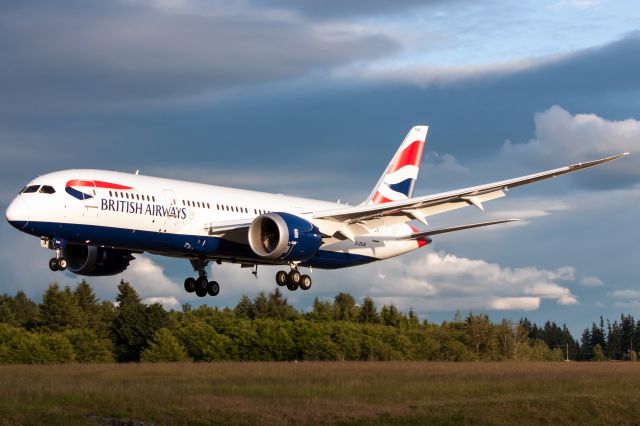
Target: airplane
(95, 220)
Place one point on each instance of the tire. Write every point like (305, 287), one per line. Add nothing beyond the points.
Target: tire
(295, 277)
(213, 288)
(202, 283)
(282, 278)
(305, 282)
(201, 292)
(53, 264)
(62, 264)
(292, 286)
(190, 285)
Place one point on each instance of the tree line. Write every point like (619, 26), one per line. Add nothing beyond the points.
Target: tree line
(72, 325)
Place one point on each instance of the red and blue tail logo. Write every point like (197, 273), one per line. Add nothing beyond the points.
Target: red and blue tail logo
(401, 175)
(70, 187)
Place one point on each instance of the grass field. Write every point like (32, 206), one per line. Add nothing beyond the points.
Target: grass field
(322, 392)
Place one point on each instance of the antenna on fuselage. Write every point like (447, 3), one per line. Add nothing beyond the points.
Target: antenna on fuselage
(137, 172)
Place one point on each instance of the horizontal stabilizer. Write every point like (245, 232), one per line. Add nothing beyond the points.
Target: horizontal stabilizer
(424, 234)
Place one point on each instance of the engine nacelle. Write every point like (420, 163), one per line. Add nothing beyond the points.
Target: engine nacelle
(283, 236)
(96, 261)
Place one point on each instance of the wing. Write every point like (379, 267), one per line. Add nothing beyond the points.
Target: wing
(349, 222)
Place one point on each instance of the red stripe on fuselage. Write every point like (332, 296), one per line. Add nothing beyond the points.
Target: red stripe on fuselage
(96, 183)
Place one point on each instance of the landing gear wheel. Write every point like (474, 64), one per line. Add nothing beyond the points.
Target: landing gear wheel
(305, 282)
(53, 264)
(213, 288)
(190, 285)
(202, 286)
(295, 277)
(282, 278)
(62, 264)
(292, 286)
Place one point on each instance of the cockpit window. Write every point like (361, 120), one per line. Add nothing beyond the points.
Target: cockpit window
(46, 189)
(31, 188)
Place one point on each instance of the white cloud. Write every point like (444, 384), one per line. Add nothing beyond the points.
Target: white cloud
(438, 282)
(515, 303)
(626, 294)
(590, 281)
(423, 75)
(149, 280)
(169, 303)
(565, 138)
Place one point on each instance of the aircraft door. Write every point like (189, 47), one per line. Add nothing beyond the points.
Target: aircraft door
(91, 201)
(172, 210)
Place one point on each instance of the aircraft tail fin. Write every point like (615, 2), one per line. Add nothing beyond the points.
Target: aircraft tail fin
(399, 178)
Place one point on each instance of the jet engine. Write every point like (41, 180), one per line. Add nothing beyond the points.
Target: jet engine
(96, 261)
(283, 236)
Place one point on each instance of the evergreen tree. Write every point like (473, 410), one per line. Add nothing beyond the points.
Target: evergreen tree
(344, 307)
(413, 320)
(244, 308)
(134, 324)
(369, 312)
(321, 311)
(59, 310)
(261, 306)
(127, 295)
(88, 304)
(390, 316)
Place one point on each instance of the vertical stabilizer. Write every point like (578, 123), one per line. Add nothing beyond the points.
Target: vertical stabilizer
(399, 178)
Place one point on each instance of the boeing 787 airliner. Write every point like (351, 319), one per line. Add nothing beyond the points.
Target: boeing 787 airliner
(95, 220)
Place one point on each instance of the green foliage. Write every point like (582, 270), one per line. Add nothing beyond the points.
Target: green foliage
(74, 326)
(598, 353)
(19, 346)
(133, 327)
(164, 348)
(202, 342)
(60, 311)
(88, 347)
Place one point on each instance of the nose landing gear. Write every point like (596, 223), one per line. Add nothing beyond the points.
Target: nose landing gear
(201, 285)
(58, 263)
(293, 280)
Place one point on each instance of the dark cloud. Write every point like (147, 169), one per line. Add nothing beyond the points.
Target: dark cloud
(122, 52)
(347, 8)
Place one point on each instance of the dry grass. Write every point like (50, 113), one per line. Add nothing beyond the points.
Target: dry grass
(323, 392)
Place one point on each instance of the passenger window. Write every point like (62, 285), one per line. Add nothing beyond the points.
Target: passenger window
(30, 189)
(46, 189)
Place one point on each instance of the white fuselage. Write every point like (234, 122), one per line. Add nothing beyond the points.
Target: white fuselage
(175, 218)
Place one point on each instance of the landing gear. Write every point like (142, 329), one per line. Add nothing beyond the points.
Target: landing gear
(293, 280)
(58, 263)
(201, 285)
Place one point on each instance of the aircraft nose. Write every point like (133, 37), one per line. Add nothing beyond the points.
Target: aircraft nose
(18, 213)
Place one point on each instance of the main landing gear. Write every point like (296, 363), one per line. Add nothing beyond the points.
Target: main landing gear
(201, 285)
(293, 280)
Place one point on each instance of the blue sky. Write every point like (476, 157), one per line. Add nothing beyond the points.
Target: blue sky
(312, 98)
